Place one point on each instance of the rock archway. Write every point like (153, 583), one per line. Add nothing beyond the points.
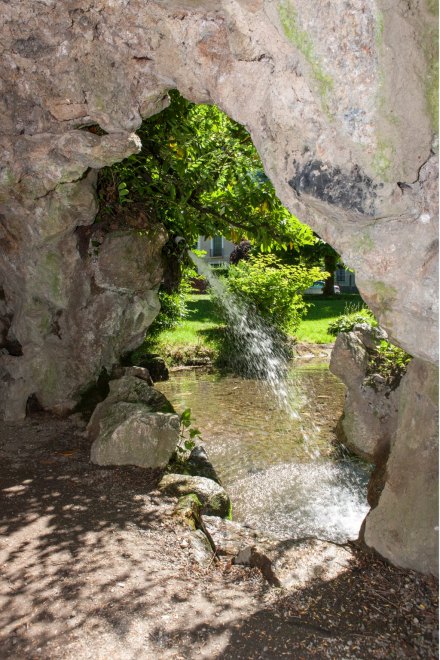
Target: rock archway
(339, 99)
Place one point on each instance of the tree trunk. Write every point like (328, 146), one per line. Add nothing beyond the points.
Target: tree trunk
(330, 262)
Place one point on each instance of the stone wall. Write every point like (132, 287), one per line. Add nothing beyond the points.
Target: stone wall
(338, 97)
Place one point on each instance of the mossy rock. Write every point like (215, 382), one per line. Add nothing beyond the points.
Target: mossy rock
(197, 464)
(189, 508)
(214, 499)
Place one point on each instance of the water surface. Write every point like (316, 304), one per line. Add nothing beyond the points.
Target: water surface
(279, 469)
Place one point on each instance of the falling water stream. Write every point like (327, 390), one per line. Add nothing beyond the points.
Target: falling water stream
(270, 439)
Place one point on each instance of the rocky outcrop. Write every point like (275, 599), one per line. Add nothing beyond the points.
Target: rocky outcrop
(134, 425)
(287, 564)
(357, 166)
(398, 432)
(404, 525)
(339, 99)
(369, 419)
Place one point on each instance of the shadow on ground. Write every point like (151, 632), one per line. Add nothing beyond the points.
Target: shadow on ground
(94, 565)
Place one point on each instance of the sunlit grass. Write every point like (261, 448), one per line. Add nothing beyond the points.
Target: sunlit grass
(203, 328)
(200, 327)
(314, 328)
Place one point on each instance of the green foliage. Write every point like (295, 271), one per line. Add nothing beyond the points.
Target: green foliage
(221, 271)
(322, 310)
(273, 288)
(386, 360)
(187, 433)
(351, 316)
(172, 310)
(173, 306)
(390, 362)
(198, 173)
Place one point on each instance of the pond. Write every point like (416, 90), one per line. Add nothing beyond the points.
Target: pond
(282, 472)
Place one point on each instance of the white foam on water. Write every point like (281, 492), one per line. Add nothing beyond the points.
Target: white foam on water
(324, 500)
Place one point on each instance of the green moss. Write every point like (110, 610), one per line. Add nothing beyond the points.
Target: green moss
(379, 30)
(433, 6)
(303, 42)
(385, 294)
(382, 160)
(51, 264)
(364, 243)
(188, 509)
(45, 324)
(431, 92)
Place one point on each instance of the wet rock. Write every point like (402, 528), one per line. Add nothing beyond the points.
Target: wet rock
(214, 499)
(156, 365)
(137, 372)
(196, 464)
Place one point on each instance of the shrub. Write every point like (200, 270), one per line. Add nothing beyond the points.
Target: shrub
(351, 317)
(272, 288)
(173, 309)
(220, 271)
(388, 361)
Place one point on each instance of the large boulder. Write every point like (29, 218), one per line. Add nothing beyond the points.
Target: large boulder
(404, 525)
(134, 425)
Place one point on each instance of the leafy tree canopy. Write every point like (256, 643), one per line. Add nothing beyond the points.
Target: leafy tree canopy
(199, 174)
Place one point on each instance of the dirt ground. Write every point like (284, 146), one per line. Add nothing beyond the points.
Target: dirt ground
(94, 565)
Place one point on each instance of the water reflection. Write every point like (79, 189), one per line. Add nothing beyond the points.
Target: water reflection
(280, 471)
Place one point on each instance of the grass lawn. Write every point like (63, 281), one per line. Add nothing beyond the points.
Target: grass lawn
(313, 328)
(202, 328)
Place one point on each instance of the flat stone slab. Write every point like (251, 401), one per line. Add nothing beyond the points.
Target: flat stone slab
(287, 564)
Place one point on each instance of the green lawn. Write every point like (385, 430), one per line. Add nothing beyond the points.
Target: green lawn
(202, 327)
(313, 328)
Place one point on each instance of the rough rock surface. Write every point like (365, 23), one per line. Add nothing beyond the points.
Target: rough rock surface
(344, 127)
(156, 365)
(134, 425)
(404, 525)
(287, 564)
(397, 430)
(369, 420)
(338, 97)
(213, 497)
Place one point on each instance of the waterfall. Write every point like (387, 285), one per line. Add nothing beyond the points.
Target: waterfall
(254, 339)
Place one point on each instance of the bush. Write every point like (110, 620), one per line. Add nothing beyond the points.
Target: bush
(351, 317)
(390, 362)
(173, 309)
(272, 288)
(220, 271)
